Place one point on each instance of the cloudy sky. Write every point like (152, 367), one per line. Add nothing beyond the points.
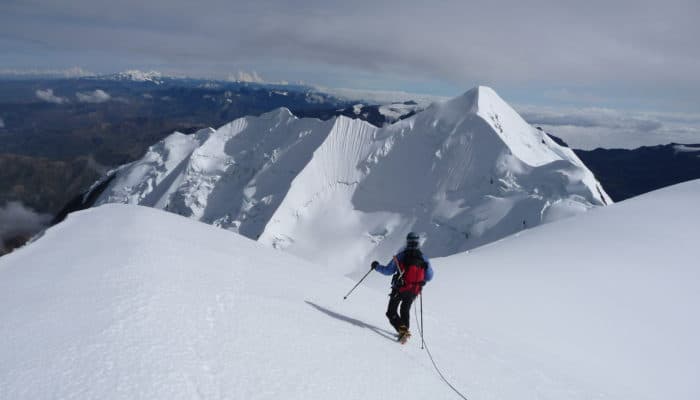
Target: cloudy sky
(626, 55)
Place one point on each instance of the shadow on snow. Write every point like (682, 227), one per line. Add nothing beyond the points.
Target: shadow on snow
(379, 331)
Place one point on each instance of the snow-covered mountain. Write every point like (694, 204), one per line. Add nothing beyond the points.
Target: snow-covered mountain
(138, 76)
(464, 172)
(127, 302)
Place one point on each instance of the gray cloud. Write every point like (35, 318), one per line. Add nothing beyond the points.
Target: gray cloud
(641, 42)
(589, 128)
(73, 72)
(97, 96)
(48, 96)
(2, 123)
(592, 117)
(16, 219)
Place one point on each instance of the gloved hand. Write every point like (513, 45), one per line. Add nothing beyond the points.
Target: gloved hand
(375, 264)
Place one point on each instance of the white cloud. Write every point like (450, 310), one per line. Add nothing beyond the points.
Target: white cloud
(590, 128)
(315, 98)
(98, 96)
(16, 219)
(243, 76)
(48, 96)
(96, 166)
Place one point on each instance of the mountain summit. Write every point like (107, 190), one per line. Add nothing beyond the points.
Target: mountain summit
(464, 172)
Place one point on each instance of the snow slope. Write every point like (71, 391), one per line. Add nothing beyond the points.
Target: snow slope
(464, 172)
(127, 302)
(611, 295)
(233, 177)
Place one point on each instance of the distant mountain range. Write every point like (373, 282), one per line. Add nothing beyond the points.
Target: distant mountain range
(59, 135)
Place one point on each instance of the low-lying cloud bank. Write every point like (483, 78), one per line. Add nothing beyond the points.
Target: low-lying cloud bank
(590, 128)
(16, 220)
(98, 96)
(48, 96)
(74, 72)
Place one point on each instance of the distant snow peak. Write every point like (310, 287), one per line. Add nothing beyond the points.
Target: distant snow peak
(140, 76)
(396, 111)
(464, 172)
(244, 76)
(381, 115)
(210, 85)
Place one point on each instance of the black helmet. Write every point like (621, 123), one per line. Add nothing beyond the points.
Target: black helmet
(412, 240)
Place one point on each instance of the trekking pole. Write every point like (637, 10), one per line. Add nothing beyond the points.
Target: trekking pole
(357, 284)
(422, 327)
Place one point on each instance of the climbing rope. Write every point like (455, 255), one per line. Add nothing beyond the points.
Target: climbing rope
(427, 350)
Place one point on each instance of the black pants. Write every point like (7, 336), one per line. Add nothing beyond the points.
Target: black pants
(403, 300)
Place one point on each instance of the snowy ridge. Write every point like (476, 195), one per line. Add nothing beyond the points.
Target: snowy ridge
(174, 309)
(464, 172)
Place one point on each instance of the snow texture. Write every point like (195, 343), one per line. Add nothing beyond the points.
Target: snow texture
(342, 192)
(128, 302)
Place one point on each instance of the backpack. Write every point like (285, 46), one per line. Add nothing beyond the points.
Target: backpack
(411, 272)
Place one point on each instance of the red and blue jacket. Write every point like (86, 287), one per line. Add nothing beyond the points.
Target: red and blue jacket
(393, 268)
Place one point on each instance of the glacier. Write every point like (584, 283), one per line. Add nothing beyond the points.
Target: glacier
(463, 173)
